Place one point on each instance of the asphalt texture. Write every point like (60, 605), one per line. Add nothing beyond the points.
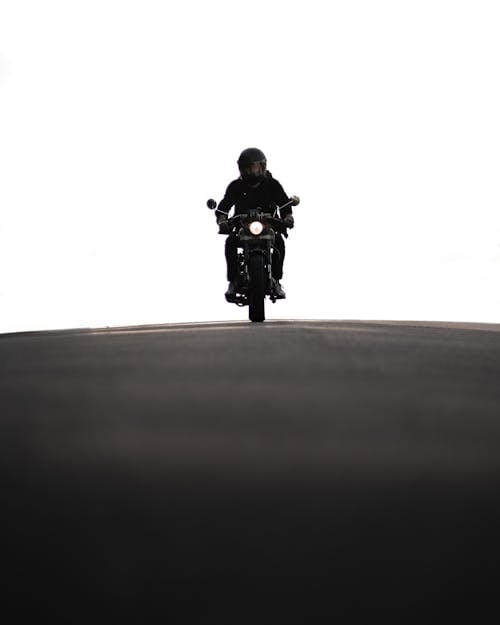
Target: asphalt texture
(293, 472)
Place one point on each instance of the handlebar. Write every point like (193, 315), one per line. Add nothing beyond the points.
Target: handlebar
(245, 216)
(293, 201)
(259, 213)
(276, 223)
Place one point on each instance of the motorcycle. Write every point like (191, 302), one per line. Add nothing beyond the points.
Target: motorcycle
(256, 234)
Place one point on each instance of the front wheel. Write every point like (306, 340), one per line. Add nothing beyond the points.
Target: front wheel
(256, 288)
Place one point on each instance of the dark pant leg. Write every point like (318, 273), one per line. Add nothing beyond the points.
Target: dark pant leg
(278, 257)
(232, 257)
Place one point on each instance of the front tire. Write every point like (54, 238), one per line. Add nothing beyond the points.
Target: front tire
(256, 288)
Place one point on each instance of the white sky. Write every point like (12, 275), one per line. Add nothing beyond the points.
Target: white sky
(118, 119)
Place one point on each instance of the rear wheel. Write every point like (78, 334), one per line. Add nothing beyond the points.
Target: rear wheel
(256, 288)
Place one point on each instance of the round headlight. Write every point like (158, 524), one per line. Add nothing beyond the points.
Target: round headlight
(256, 227)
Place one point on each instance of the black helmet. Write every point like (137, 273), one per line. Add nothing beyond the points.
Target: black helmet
(246, 159)
(251, 155)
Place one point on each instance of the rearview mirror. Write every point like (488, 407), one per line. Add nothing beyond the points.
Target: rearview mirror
(295, 200)
(211, 204)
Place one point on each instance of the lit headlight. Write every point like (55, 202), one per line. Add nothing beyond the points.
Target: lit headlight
(256, 227)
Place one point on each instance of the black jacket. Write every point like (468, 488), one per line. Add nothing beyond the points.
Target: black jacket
(268, 195)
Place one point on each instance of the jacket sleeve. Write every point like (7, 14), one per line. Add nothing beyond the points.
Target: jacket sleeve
(281, 198)
(227, 201)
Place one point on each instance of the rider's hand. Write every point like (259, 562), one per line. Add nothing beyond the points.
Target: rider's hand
(288, 221)
(223, 223)
(224, 227)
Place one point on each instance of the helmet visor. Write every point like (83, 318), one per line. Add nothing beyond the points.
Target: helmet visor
(253, 172)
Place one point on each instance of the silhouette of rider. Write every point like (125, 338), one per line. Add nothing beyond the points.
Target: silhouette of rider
(255, 188)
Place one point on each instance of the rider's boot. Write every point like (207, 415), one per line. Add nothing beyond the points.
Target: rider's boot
(278, 290)
(230, 294)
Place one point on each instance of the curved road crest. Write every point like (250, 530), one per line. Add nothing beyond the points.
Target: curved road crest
(304, 460)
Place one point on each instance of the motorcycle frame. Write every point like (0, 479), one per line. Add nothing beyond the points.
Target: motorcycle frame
(262, 244)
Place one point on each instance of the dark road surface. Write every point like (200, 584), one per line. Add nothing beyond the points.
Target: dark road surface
(289, 472)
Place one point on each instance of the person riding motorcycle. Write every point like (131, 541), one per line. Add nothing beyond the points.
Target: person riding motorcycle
(255, 188)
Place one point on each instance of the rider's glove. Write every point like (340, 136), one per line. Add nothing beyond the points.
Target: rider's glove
(223, 224)
(288, 221)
